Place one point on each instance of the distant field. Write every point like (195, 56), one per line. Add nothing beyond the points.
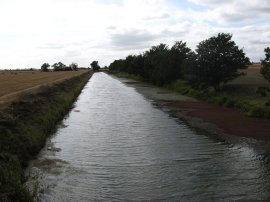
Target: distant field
(252, 77)
(13, 83)
(245, 87)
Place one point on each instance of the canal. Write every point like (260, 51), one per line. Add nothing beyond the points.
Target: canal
(116, 145)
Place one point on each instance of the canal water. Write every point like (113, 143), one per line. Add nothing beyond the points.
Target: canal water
(115, 145)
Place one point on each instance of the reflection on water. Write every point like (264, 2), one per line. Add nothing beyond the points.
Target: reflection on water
(116, 146)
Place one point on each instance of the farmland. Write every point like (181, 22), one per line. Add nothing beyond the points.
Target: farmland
(15, 83)
(245, 87)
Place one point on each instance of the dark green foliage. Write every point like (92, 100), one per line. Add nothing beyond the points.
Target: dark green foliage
(191, 72)
(95, 66)
(265, 70)
(45, 67)
(217, 61)
(73, 66)
(24, 126)
(62, 67)
(161, 65)
(157, 63)
(263, 91)
(59, 66)
(178, 54)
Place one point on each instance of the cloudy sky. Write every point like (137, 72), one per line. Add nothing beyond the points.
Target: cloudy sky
(36, 31)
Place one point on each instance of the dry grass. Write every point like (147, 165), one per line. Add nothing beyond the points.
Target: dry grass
(245, 87)
(15, 83)
(252, 77)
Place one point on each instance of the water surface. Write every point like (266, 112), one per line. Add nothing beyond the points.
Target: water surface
(115, 145)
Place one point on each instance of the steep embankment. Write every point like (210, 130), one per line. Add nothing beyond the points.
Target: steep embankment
(24, 126)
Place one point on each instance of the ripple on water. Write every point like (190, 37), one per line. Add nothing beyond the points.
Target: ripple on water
(117, 146)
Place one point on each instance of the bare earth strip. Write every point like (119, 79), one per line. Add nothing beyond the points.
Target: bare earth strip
(15, 84)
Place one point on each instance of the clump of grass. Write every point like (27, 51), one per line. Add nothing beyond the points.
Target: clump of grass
(222, 99)
(263, 91)
(24, 126)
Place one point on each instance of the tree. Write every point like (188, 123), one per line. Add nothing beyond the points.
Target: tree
(157, 63)
(59, 66)
(45, 67)
(218, 60)
(178, 53)
(95, 66)
(265, 70)
(73, 66)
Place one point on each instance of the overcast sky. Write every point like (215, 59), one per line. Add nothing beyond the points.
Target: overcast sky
(36, 31)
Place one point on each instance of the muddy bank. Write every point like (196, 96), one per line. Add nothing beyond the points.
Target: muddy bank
(24, 126)
(203, 115)
(227, 120)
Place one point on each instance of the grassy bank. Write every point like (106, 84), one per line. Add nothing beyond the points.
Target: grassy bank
(24, 126)
(250, 105)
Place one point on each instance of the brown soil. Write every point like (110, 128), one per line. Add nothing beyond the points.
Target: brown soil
(230, 121)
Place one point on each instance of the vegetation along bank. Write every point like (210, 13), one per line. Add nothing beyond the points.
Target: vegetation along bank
(25, 123)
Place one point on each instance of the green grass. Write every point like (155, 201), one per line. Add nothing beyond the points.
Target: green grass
(24, 127)
(251, 104)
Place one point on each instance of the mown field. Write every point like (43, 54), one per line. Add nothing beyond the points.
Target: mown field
(13, 83)
(252, 77)
(246, 87)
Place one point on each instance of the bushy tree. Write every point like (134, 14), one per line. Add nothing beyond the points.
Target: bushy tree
(45, 67)
(178, 53)
(218, 60)
(73, 66)
(95, 66)
(59, 66)
(265, 70)
(157, 63)
(117, 65)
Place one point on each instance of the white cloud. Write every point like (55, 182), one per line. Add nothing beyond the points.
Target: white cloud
(37, 31)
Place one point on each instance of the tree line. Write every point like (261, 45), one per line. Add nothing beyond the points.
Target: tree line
(215, 61)
(59, 66)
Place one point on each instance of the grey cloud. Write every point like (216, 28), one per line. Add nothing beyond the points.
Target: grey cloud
(260, 42)
(52, 46)
(265, 9)
(132, 39)
(141, 39)
(72, 53)
(175, 33)
(111, 27)
(160, 17)
(238, 11)
(234, 17)
(247, 13)
(211, 2)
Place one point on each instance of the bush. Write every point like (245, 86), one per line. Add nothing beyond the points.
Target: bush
(265, 70)
(263, 91)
